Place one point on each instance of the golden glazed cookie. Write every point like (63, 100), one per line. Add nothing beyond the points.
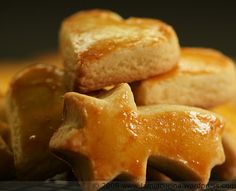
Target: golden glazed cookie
(100, 48)
(10, 67)
(203, 78)
(106, 136)
(34, 111)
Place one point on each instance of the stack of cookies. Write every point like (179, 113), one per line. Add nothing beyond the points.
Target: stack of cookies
(127, 97)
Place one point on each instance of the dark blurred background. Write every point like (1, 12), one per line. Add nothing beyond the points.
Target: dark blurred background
(31, 27)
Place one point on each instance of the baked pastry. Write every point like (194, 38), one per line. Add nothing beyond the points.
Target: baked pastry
(10, 67)
(34, 111)
(106, 136)
(6, 157)
(227, 171)
(100, 48)
(203, 78)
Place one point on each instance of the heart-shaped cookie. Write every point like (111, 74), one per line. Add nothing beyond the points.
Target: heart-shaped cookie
(100, 49)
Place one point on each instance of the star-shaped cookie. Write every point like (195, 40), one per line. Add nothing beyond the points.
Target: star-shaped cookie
(106, 136)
